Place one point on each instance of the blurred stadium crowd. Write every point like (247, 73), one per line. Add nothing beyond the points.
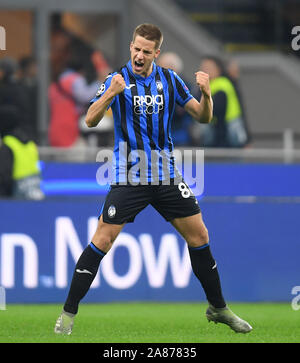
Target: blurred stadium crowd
(77, 72)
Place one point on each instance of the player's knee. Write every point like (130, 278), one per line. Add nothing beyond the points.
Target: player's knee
(103, 242)
(203, 236)
(199, 239)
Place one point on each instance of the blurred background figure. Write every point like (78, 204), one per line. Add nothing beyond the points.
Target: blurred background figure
(69, 92)
(19, 171)
(233, 71)
(103, 135)
(227, 129)
(182, 121)
(27, 78)
(11, 91)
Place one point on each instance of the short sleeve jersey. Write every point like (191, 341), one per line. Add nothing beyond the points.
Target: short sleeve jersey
(142, 115)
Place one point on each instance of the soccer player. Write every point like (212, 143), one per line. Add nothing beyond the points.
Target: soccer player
(142, 96)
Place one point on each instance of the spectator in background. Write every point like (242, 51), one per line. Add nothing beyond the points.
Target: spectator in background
(19, 171)
(227, 128)
(233, 70)
(27, 77)
(103, 136)
(69, 92)
(182, 121)
(11, 92)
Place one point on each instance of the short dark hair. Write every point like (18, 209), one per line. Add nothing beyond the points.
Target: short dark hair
(149, 32)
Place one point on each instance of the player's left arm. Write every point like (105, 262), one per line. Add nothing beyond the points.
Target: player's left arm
(201, 111)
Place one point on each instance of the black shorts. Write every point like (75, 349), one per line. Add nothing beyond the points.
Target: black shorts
(124, 202)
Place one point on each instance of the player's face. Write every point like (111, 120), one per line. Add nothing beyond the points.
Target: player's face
(143, 53)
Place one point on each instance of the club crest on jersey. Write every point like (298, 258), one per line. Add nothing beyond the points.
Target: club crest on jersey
(159, 86)
(100, 90)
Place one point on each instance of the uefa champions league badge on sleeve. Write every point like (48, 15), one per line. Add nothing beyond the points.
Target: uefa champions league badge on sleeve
(100, 90)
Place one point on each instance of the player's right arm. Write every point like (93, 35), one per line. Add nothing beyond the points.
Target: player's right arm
(97, 110)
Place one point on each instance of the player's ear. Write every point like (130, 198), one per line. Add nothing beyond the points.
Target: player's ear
(131, 45)
(157, 52)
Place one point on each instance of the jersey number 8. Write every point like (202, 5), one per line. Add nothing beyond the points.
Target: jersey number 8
(184, 189)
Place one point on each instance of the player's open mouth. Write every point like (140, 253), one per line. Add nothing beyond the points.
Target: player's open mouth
(138, 65)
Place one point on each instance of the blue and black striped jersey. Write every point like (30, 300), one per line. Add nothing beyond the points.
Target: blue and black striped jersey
(142, 115)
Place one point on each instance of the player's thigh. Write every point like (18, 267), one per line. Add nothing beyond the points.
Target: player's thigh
(105, 234)
(192, 229)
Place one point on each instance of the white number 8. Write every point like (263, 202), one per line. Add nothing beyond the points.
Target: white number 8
(185, 190)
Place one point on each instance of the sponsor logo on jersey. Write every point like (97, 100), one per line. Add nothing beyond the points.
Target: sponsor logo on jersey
(148, 104)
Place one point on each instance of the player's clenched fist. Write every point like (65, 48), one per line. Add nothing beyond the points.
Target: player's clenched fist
(202, 79)
(117, 84)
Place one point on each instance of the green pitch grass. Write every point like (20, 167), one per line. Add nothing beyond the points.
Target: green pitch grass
(149, 323)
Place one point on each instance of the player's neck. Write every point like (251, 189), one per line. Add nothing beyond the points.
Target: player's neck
(147, 74)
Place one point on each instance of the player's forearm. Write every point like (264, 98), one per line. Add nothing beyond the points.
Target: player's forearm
(205, 109)
(205, 106)
(97, 110)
